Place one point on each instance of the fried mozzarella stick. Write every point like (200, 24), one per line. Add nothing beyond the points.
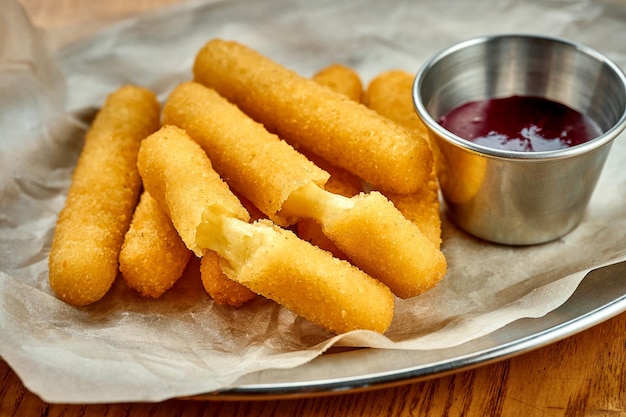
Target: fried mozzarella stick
(268, 260)
(213, 280)
(375, 236)
(367, 228)
(84, 257)
(389, 94)
(153, 256)
(340, 182)
(315, 118)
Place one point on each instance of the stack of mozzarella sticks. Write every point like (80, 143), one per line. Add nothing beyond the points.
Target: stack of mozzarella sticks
(308, 192)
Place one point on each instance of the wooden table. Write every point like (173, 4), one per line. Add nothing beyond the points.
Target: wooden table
(582, 375)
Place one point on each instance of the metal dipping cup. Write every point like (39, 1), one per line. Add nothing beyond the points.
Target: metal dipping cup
(515, 197)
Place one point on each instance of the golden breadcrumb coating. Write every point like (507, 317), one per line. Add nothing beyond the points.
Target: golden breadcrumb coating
(179, 176)
(252, 160)
(422, 208)
(153, 256)
(389, 93)
(84, 256)
(386, 245)
(261, 256)
(316, 118)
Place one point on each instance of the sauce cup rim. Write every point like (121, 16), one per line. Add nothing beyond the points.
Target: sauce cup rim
(599, 141)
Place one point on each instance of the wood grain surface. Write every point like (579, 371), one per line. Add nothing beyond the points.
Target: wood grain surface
(583, 375)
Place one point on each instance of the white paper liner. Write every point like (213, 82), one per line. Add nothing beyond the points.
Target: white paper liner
(125, 348)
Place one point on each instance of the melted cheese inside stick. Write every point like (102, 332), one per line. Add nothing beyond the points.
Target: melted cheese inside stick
(203, 112)
(84, 257)
(268, 260)
(374, 235)
(252, 160)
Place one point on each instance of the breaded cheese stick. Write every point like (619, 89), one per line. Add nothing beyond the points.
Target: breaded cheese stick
(252, 160)
(203, 114)
(269, 260)
(84, 256)
(375, 236)
(168, 158)
(316, 118)
(341, 79)
(153, 256)
(389, 94)
(340, 182)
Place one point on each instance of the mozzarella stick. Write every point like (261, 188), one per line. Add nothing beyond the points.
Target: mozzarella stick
(390, 95)
(203, 114)
(252, 160)
(84, 257)
(222, 289)
(340, 182)
(375, 236)
(315, 118)
(193, 187)
(153, 257)
(268, 260)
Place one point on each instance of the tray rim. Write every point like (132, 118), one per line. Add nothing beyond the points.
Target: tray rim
(551, 330)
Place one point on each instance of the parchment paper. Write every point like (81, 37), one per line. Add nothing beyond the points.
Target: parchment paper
(125, 348)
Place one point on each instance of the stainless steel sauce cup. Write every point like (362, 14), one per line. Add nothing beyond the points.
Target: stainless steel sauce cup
(515, 197)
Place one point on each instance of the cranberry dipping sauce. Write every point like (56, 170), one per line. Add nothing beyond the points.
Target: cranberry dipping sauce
(521, 126)
(520, 123)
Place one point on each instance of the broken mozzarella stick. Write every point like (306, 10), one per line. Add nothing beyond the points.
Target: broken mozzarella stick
(340, 182)
(153, 256)
(375, 236)
(254, 168)
(315, 118)
(367, 228)
(266, 259)
(84, 257)
(184, 184)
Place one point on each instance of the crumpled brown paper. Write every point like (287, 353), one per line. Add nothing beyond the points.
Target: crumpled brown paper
(125, 348)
